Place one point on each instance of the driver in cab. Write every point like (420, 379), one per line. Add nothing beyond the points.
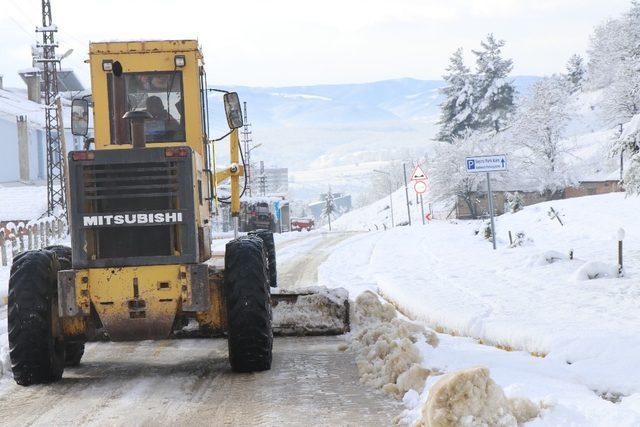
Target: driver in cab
(162, 126)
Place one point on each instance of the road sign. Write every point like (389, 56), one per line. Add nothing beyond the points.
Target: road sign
(487, 164)
(418, 174)
(420, 186)
(495, 163)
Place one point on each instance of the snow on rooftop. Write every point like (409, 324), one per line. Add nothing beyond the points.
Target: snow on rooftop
(14, 102)
(20, 202)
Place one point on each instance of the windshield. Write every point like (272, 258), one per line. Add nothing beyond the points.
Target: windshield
(158, 93)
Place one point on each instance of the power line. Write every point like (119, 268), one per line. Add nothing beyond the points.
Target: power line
(27, 32)
(56, 182)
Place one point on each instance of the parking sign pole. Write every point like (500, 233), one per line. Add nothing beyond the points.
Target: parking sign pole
(493, 225)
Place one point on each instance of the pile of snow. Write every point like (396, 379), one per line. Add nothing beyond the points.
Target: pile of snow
(392, 353)
(311, 311)
(386, 352)
(547, 257)
(470, 397)
(596, 270)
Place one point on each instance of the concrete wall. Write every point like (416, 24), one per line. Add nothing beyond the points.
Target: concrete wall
(35, 147)
(590, 188)
(9, 171)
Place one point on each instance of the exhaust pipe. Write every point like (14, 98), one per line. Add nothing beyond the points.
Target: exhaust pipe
(136, 121)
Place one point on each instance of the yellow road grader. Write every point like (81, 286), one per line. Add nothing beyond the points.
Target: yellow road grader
(140, 210)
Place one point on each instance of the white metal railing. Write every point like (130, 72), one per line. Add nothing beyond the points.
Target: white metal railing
(20, 237)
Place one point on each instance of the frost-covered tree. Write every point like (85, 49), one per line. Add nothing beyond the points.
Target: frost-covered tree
(615, 44)
(628, 143)
(622, 98)
(632, 176)
(575, 72)
(606, 49)
(448, 174)
(456, 111)
(538, 132)
(494, 92)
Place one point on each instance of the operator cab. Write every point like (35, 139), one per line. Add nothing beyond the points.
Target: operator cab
(158, 93)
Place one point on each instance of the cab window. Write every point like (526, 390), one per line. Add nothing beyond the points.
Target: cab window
(158, 93)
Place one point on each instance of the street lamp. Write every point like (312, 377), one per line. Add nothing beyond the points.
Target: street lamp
(249, 168)
(390, 193)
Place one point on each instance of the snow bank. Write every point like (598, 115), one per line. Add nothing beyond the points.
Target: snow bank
(523, 298)
(386, 353)
(470, 397)
(311, 311)
(5, 363)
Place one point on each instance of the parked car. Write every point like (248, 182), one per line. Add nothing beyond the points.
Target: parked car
(299, 224)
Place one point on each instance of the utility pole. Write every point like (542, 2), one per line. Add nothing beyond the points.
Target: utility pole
(406, 191)
(262, 178)
(56, 179)
(246, 140)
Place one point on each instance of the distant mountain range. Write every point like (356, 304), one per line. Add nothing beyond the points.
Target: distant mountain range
(339, 104)
(326, 126)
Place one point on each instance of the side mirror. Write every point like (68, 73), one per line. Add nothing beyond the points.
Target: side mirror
(233, 110)
(79, 117)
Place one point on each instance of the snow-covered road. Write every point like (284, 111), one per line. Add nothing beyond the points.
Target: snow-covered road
(300, 258)
(189, 382)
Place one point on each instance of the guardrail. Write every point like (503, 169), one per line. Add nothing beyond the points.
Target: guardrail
(20, 237)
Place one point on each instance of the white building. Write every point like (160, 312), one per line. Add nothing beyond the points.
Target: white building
(22, 137)
(271, 181)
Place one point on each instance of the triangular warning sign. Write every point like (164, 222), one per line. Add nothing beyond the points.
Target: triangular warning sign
(418, 174)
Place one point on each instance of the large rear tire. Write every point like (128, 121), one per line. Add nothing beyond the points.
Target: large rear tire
(37, 354)
(73, 350)
(270, 247)
(250, 335)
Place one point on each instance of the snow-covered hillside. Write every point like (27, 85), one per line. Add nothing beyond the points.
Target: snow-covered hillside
(529, 297)
(314, 129)
(377, 216)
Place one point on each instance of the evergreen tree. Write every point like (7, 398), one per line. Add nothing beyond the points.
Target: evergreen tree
(493, 92)
(329, 206)
(456, 111)
(575, 72)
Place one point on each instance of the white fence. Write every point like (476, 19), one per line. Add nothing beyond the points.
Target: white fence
(17, 238)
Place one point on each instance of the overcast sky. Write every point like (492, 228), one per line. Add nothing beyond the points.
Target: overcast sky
(292, 42)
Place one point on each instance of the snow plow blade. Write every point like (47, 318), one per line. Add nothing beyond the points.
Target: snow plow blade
(311, 311)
